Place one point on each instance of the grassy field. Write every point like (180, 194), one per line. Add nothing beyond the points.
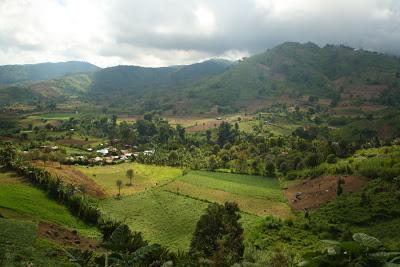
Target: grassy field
(163, 217)
(146, 176)
(254, 194)
(168, 213)
(19, 246)
(33, 203)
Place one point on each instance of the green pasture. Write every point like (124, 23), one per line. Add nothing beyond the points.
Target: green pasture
(145, 176)
(29, 201)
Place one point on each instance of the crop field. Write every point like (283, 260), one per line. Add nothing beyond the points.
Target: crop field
(26, 200)
(163, 217)
(145, 177)
(168, 213)
(196, 123)
(254, 194)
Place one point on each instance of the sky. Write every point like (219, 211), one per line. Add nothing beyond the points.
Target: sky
(171, 32)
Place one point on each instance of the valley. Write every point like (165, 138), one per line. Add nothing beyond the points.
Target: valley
(282, 155)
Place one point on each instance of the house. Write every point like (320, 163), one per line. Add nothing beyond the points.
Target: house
(103, 151)
(149, 152)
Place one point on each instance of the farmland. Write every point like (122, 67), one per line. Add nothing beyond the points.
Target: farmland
(162, 216)
(145, 176)
(257, 195)
(165, 206)
(20, 199)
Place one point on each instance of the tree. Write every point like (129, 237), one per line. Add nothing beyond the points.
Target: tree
(283, 168)
(225, 134)
(181, 133)
(173, 158)
(219, 235)
(119, 186)
(129, 175)
(312, 160)
(208, 136)
(212, 163)
(270, 169)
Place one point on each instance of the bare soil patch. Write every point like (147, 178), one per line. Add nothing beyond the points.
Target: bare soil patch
(66, 237)
(70, 175)
(70, 142)
(311, 194)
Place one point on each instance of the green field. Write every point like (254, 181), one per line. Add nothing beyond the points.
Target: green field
(162, 217)
(168, 213)
(20, 246)
(25, 200)
(146, 176)
(257, 195)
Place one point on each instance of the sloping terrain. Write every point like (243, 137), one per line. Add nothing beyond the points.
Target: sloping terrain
(12, 74)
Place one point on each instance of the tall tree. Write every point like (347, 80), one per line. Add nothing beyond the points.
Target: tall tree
(219, 235)
(129, 175)
(119, 186)
(225, 134)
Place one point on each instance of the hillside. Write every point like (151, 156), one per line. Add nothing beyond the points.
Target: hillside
(12, 74)
(129, 84)
(339, 75)
(334, 72)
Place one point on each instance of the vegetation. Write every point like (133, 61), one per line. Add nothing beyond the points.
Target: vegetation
(146, 157)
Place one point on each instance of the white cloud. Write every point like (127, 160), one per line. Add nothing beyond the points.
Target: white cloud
(167, 32)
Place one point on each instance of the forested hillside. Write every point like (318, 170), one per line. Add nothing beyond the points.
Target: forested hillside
(11, 74)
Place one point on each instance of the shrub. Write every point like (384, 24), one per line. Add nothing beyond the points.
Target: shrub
(331, 158)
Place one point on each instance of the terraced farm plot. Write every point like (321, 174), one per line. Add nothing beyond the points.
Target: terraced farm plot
(163, 217)
(28, 201)
(257, 195)
(146, 176)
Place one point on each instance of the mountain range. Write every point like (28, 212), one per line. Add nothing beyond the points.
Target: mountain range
(335, 73)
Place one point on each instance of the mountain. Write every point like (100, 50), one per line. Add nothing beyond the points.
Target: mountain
(130, 84)
(293, 69)
(338, 75)
(13, 74)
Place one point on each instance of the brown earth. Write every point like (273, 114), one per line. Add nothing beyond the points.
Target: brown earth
(315, 192)
(69, 142)
(72, 176)
(60, 235)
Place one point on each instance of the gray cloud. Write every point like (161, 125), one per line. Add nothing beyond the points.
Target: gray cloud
(167, 32)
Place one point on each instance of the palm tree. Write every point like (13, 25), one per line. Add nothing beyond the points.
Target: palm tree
(119, 185)
(129, 174)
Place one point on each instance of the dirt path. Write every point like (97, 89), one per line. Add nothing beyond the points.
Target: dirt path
(66, 237)
(69, 175)
(313, 193)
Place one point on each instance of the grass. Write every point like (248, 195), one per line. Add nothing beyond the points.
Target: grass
(146, 176)
(248, 185)
(19, 246)
(163, 217)
(257, 195)
(29, 201)
(168, 216)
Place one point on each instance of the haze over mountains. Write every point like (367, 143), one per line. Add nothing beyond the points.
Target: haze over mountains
(293, 69)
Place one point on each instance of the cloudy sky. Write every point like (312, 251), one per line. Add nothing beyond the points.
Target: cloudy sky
(169, 32)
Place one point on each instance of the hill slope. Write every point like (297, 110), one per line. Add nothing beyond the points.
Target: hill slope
(130, 84)
(12, 74)
(295, 69)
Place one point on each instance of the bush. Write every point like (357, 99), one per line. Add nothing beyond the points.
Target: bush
(331, 158)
